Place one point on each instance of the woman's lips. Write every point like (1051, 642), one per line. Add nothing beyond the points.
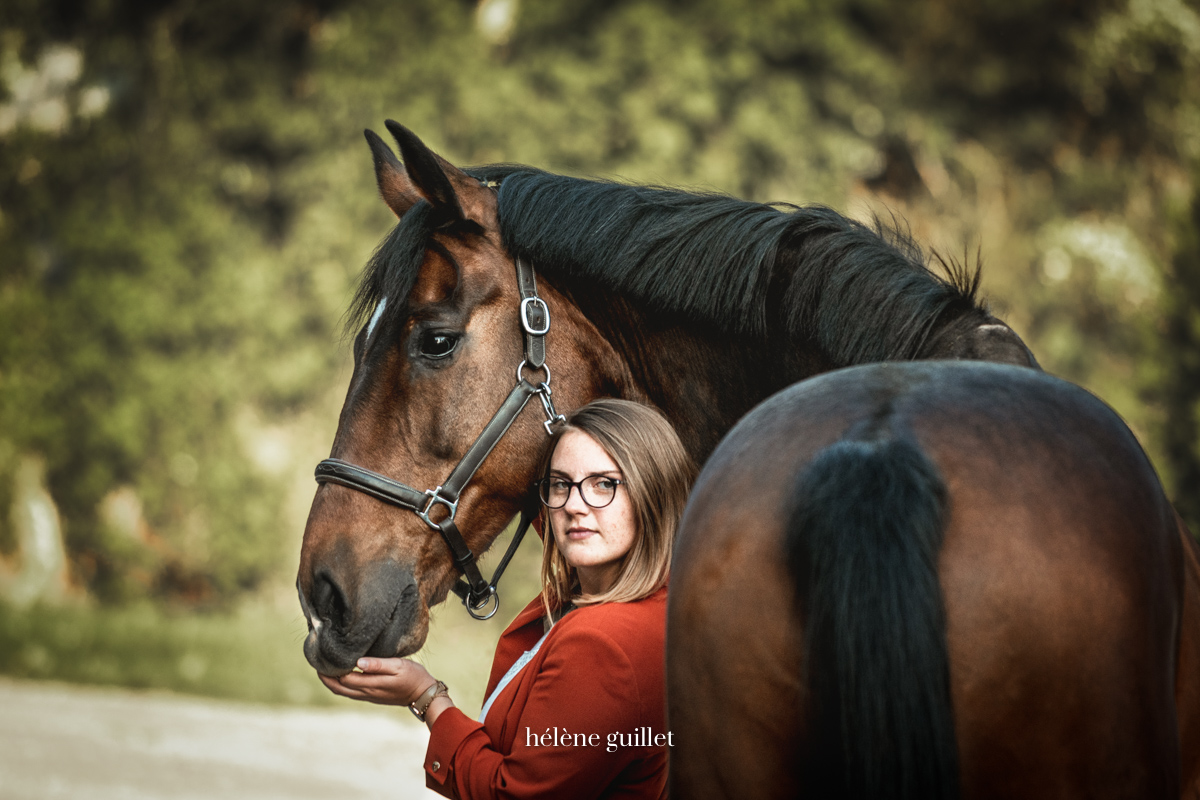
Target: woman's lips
(579, 533)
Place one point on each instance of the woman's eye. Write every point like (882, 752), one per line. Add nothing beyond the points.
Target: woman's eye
(558, 484)
(437, 345)
(606, 484)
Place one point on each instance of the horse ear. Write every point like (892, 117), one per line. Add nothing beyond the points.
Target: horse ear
(394, 184)
(428, 172)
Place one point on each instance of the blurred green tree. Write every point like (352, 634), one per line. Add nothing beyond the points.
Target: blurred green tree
(146, 320)
(1177, 359)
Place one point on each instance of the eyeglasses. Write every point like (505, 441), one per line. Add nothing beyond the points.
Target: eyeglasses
(596, 490)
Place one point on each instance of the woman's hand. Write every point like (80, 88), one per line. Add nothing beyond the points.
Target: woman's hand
(387, 681)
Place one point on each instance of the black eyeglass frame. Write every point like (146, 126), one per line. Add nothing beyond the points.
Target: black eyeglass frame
(543, 484)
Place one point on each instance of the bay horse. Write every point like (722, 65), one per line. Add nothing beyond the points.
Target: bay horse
(700, 304)
(932, 580)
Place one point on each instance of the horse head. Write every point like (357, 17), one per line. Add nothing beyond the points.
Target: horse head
(439, 353)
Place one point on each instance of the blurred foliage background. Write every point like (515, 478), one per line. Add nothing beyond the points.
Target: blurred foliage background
(186, 201)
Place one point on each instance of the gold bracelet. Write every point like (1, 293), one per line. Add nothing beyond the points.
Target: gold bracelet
(421, 705)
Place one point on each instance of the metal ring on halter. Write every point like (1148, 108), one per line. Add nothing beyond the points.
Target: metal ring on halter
(524, 364)
(474, 608)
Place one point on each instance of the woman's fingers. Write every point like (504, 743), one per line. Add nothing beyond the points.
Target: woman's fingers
(364, 680)
(394, 681)
(348, 686)
(336, 686)
(388, 666)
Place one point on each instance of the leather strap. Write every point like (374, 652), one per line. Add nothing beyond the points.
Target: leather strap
(535, 316)
(464, 590)
(334, 470)
(381, 487)
(497, 426)
(420, 706)
(464, 559)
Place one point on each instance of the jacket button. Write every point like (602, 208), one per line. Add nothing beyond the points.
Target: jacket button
(435, 766)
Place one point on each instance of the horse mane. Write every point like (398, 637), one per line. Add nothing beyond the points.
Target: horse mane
(862, 293)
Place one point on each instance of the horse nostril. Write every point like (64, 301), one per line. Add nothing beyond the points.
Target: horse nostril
(329, 602)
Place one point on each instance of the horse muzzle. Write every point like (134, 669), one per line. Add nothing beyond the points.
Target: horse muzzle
(380, 614)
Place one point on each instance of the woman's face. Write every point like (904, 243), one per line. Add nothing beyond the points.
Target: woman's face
(592, 540)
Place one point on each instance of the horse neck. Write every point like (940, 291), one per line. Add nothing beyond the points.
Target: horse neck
(702, 378)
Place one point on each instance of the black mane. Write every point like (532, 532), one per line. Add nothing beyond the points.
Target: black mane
(862, 294)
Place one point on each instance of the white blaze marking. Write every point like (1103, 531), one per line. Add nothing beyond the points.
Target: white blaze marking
(375, 317)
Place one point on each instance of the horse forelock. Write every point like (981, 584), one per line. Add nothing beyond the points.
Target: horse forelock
(394, 267)
(392, 271)
(861, 293)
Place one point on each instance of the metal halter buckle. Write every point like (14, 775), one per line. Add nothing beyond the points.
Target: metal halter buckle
(434, 498)
(526, 324)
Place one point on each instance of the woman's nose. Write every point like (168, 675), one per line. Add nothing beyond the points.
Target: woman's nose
(575, 504)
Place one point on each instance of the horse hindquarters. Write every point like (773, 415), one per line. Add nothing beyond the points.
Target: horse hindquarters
(862, 544)
(1059, 577)
(748, 721)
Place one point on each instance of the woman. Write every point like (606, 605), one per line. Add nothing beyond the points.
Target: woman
(576, 699)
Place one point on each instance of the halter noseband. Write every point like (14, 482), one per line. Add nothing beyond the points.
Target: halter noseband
(476, 593)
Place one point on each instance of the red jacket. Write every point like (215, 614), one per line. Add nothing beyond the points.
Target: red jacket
(585, 718)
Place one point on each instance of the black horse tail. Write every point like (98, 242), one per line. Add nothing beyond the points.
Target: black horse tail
(862, 545)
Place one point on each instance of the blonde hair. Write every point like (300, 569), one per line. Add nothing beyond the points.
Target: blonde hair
(657, 473)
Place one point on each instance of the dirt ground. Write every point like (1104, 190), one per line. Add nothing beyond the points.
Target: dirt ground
(60, 741)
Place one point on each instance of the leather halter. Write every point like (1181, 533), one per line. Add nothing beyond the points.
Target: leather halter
(476, 593)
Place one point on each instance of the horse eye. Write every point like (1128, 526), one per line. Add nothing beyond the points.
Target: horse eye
(437, 345)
